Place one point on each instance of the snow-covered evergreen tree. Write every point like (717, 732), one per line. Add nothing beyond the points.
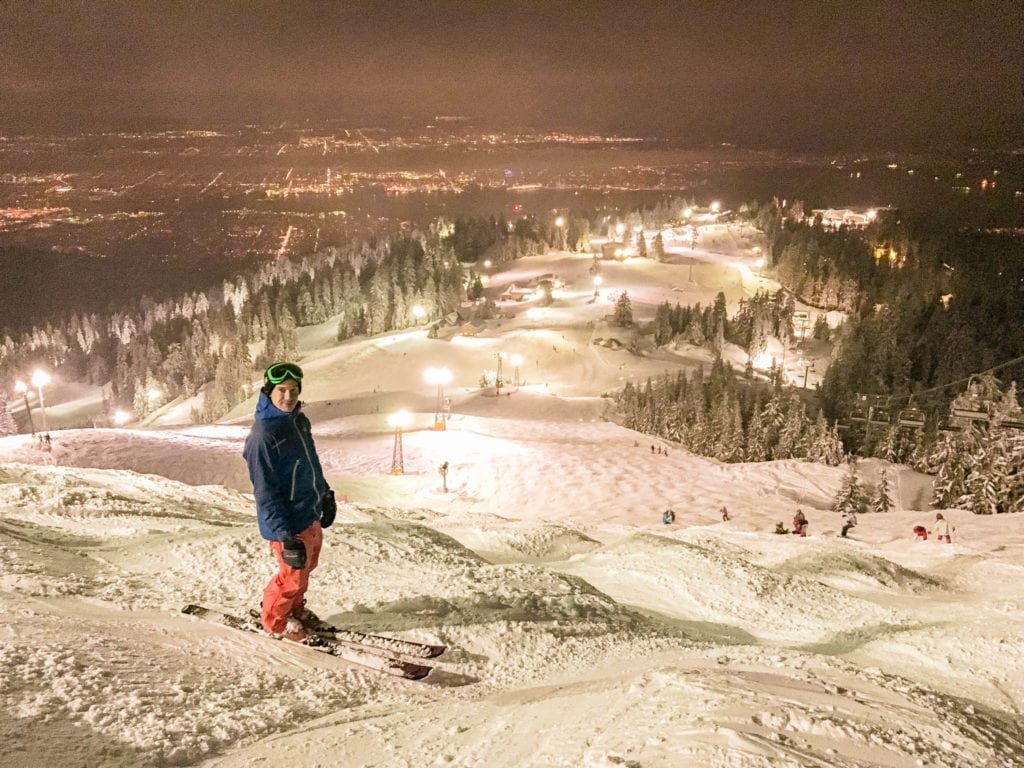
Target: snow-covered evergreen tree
(7, 424)
(658, 248)
(882, 502)
(849, 499)
(793, 434)
(623, 311)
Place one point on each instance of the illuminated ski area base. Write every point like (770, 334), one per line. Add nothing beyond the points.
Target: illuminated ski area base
(596, 635)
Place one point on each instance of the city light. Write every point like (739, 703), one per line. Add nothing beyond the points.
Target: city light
(716, 207)
(121, 417)
(418, 311)
(687, 213)
(560, 221)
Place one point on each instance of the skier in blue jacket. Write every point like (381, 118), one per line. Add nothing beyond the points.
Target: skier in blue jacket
(293, 501)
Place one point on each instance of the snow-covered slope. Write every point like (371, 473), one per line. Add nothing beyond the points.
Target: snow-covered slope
(581, 631)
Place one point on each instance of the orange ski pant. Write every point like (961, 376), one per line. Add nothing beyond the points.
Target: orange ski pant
(286, 592)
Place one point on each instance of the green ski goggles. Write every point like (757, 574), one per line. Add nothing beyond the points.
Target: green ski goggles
(278, 372)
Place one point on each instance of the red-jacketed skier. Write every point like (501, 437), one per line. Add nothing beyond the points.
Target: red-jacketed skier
(800, 523)
(293, 501)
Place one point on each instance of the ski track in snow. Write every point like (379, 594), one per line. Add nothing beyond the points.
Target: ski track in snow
(602, 642)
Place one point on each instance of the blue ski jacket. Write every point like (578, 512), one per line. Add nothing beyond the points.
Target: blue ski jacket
(286, 475)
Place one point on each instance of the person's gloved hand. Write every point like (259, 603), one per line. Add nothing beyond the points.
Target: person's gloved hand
(329, 510)
(293, 552)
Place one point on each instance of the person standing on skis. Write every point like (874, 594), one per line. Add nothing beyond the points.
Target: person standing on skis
(294, 503)
(941, 528)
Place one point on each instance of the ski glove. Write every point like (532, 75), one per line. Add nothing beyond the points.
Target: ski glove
(329, 509)
(293, 552)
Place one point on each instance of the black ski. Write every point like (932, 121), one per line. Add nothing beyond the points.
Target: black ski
(376, 642)
(374, 660)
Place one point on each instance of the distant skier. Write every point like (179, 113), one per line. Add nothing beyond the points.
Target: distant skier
(780, 528)
(293, 501)
(849, 521)
(668, 517)
(941, 529)
(921, 532)
(799, 523)
(725, 513)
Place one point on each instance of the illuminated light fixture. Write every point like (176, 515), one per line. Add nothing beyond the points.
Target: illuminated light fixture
(121, 417)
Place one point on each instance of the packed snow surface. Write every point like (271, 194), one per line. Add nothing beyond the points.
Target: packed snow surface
(581, 631)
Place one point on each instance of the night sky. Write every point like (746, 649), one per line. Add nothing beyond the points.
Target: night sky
(901, 75)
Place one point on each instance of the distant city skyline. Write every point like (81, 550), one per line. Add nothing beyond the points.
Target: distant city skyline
(905, 75)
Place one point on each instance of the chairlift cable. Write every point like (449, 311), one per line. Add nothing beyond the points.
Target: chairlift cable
(910, 397)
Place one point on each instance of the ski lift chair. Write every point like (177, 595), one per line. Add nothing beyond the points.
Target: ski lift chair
(970, 414)
(911, 418)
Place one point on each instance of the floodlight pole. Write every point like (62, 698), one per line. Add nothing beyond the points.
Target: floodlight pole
(20, 387)
(397, 459)
(807, 368)
(42, 407)
(440, 422)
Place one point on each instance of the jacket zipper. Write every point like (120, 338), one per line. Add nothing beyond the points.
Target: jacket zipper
(295, 471)
(312, 470)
